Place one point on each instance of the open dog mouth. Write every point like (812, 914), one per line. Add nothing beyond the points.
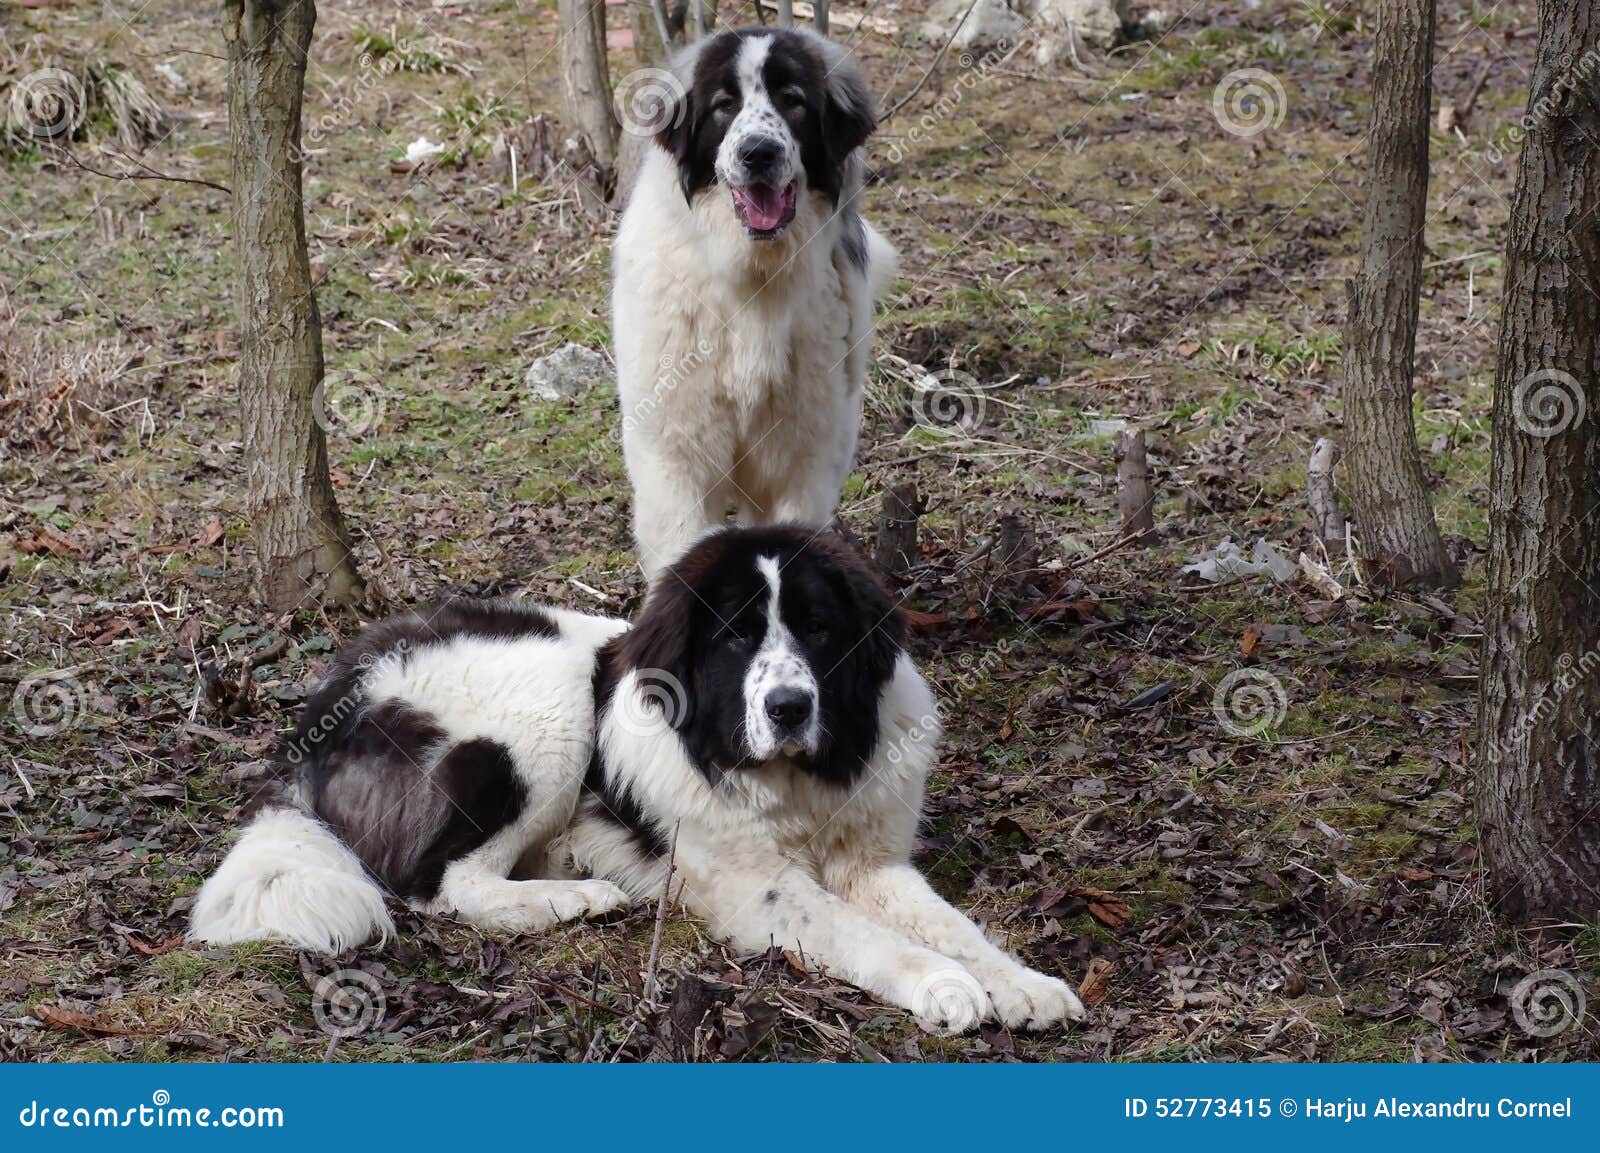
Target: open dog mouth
(764, 209)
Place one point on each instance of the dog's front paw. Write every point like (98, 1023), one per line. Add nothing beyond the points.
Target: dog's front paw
(1025, 999)
(949, 999)
(589, 899)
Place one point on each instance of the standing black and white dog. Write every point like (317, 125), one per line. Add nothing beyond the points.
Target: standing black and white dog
(744, 283)
(760, 726)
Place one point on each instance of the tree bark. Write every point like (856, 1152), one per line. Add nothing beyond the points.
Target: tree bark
(302, 546)
(897, 528)
(1327, 517)
(1537, 780)
(586, 81)
(1136, 495)
(1399, 537)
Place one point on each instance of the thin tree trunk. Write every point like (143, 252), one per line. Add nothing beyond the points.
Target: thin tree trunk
(1399, 538)
(652, 33)
(1537, 780)
(302, 546)
(819, 15)
(786, 13)
(586, 80)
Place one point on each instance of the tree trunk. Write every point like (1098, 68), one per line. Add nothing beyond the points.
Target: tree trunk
(302, 547)
(646, 18)
(1537, 783)
(1399, 538)
(586, 80)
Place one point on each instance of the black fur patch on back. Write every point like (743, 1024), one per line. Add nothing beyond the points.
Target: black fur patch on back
(332, 708)
(384, 776)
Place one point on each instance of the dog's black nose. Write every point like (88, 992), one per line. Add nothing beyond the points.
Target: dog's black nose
(789, 709)
(759, 153)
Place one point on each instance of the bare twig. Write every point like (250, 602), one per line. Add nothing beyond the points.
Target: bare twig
(145, 173)
(932, 68)
(661, 923)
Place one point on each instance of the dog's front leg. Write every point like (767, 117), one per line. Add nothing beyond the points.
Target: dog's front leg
(902, 897)
(758, 902)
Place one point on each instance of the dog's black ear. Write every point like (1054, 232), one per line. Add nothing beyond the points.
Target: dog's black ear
(676, 134)
(849, 115)
(880, 647)
(660, 645)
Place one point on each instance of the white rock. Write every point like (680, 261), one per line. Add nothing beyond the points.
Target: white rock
(992, 22)
(1097, 23)
(569, 371)
(422, 149)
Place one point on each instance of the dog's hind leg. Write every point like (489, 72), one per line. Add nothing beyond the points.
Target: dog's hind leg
(477, 893)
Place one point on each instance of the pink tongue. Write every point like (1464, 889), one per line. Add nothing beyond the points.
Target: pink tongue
(763, 206)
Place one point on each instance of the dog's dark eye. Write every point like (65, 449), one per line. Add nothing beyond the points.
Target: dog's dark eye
(792, 99)
(737, 636)
(722, 103)
(816, 631)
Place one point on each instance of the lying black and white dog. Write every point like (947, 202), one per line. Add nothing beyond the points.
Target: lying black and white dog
(760, 726)
(744, 279)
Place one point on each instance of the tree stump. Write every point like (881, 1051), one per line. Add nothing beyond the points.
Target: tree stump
(1136, 495)
(1016, 550)
(1327, 517)
(897, 528)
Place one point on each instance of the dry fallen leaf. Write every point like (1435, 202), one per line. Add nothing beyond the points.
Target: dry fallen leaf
(212, 533)
(1096, 981)
(48, 538)
(60, 1017)
(140, 945)
(1107, 908)
(1250, 641)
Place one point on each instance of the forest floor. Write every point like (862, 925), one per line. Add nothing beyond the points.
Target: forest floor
(1089, 247)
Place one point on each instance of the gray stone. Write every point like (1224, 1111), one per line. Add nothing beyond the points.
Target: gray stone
(569, 371)
(992, 22)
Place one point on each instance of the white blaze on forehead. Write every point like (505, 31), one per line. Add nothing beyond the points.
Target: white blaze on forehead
(752, 62)
(778, 664)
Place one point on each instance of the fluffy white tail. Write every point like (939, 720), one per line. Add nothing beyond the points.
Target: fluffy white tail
(883, 262)
(289, 878)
